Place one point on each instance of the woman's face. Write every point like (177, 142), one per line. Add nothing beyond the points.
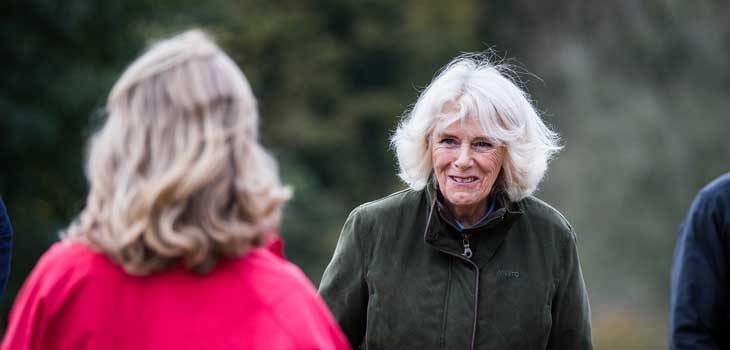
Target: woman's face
(466, 163)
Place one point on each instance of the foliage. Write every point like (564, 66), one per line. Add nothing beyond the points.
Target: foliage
(60, 61)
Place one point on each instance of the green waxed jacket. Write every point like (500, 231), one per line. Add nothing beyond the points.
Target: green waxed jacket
(398, 279)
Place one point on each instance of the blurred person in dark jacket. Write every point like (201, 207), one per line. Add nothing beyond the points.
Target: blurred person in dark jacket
(466, 258)
(6, 245)
(700, 287)
(176, 246)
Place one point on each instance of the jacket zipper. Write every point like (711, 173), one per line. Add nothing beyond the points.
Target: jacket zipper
(476, 293)
(467, 247)
(476, 275)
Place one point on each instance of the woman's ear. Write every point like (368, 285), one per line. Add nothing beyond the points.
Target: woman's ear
(427, 142)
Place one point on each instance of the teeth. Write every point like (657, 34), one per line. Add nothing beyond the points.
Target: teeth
(464, 179)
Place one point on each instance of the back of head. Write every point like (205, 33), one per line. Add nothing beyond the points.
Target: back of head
(176, 173)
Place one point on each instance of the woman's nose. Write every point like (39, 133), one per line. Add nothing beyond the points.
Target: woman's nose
(463, 159)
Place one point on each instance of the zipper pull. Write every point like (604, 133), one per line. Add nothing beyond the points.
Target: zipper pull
(467, 248)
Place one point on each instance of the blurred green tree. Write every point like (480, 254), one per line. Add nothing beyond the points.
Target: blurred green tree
(60, 58)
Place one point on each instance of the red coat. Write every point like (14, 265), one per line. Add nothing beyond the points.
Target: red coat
(78, 299)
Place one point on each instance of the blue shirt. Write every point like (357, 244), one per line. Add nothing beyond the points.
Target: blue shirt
(492, 205)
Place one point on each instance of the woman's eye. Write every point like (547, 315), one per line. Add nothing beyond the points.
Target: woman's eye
(484, 145)
(448, 141)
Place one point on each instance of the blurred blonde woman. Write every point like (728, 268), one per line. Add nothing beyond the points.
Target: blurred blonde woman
(175, 247)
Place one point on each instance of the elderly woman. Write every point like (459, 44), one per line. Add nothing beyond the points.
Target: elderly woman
(170, 250)
(465, 258)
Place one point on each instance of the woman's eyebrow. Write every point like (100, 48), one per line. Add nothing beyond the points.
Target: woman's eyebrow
(482, 138)
(445, 134)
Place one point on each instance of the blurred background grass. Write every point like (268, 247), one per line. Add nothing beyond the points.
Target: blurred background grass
(638, 90)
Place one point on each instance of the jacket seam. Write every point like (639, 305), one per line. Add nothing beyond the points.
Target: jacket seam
(562, 252)
(446, 304)
(364, 261)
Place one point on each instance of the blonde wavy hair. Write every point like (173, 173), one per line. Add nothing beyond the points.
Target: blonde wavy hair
(176, 173)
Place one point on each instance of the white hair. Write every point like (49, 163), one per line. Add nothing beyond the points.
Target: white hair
(472, 86)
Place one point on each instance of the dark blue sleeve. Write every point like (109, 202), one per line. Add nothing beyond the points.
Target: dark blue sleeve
(699, 280)
(6, 245)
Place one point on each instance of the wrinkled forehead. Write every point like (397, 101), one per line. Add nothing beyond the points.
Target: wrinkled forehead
(459, 116)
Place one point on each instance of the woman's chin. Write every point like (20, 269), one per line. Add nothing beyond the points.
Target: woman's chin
(461, 203)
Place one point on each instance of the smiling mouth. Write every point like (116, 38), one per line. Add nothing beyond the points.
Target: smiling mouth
(463, 180)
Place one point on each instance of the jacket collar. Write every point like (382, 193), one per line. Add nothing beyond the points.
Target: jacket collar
(486, 238)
